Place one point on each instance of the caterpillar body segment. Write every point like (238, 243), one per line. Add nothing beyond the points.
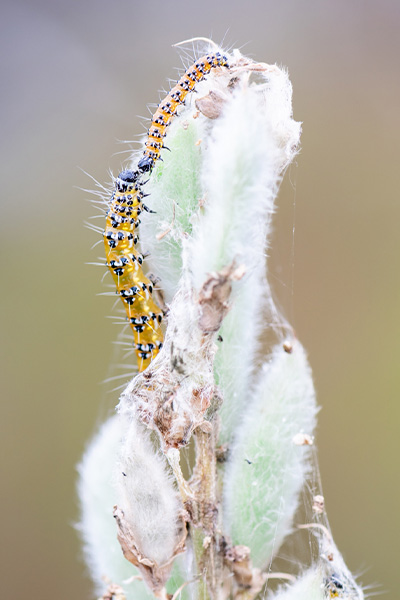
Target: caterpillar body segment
(167, 108)
(125, 265)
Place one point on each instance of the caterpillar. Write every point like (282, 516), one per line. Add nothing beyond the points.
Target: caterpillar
(122, 221)
(168, 107)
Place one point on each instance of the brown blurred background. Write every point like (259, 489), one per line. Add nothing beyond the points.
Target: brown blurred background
(74, 77)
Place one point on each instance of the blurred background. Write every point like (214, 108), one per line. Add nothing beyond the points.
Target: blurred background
(75, 77)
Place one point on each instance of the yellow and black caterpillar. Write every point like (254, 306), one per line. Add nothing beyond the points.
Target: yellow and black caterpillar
(168, 107)
(122, 221)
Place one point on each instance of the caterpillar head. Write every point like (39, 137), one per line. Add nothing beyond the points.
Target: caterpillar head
(146, 164)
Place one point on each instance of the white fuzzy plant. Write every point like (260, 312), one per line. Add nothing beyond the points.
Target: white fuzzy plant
(214, 534)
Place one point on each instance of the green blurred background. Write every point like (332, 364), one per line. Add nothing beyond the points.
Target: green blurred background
(74, 78)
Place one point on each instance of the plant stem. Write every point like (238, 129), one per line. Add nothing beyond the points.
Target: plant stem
(206, 541)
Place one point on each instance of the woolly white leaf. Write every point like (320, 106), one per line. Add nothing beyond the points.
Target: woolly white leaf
(147, 497)
(243, 159)
(267, 469)
(97, 527)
